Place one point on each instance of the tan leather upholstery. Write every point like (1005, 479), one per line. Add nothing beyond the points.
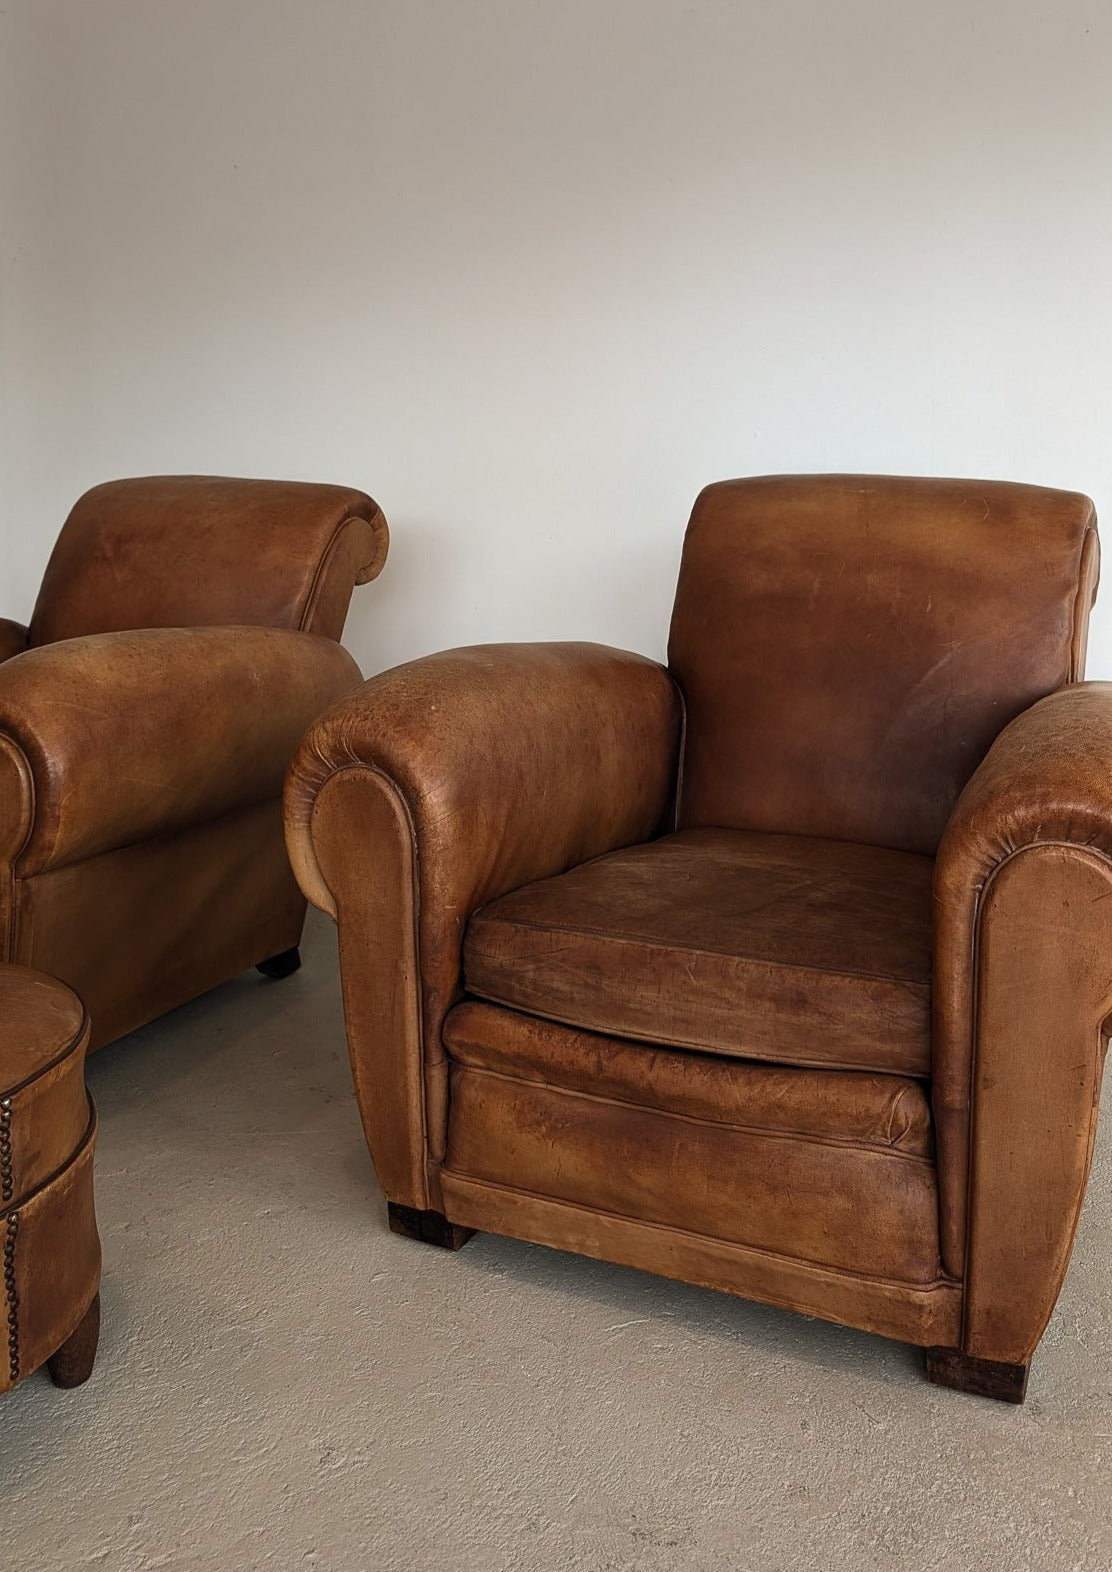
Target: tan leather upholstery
(776, 947)
(588, 764)
(889, 1112)
(848, 646)
(141, 856)
(1023, 979)
(787, 970)
(47, 1222)
(180, 551)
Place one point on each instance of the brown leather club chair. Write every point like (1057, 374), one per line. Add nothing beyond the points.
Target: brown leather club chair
(786, 970)
(183, 638)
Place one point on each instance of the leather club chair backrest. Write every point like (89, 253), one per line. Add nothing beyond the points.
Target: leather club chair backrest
(195, 550)
(849, 646)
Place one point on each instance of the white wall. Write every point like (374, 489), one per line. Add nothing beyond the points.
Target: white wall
(532, 271)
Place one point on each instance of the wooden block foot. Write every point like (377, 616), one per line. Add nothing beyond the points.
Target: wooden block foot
(73, 1362)
(982, 1377)
(279, 966)
(429, 1227)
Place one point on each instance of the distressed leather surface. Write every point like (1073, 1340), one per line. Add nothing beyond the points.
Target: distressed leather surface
(129, 735)
(461, 776)
(928, 1314)
(177, 551)
(858, 1208)
(44, 1031)
(56, 1260)
(146, 724)
(107, 927)
(1023, 988)
(47, 1136)
(776, 947)
(888, 1112)
(850, 645)
(850, 652)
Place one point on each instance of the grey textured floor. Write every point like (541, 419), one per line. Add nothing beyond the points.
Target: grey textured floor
(284, 1384)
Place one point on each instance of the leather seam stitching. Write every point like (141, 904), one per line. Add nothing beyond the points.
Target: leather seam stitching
(762, 1131)
(1088, 543)
(1100, 856)
(933, 1285)
(313, 595)
(692, 949)
(88, 1139)
(704, 1047)
(363, 767)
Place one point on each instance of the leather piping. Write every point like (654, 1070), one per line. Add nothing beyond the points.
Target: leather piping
(644, 1035)
(325, 562)
(44, 1069)
(79, 1150)
(391, 785)
(702, 949)
(1082, 603)
(873, 1148)
(1100, 858)
(930, 1285)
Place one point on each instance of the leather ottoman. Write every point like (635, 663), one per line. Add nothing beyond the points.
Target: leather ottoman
(49, 1301)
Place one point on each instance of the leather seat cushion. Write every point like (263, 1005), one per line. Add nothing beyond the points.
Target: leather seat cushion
(789, 949)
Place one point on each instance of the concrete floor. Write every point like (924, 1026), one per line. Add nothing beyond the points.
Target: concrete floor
(284, 1384)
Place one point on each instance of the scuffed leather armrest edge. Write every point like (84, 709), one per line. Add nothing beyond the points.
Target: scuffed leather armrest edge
(1044, 788)
(118, 737)
(356, 554)
(514, 762)
(434, 788)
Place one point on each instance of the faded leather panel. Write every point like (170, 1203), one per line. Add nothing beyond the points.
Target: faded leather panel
(240, 698)
(512, 762)
(195, 551)
(849, 646)
(1044, 991)
(56, 1259)
(869, 1110)
(1047, 780)
(926, 1316)
(855, 1208)
(359, 817)
(137, 931)
(786, 948)
(13, 638)
(43, 1033)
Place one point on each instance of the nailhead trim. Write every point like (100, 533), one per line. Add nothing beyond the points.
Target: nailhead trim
(6, 1180)
(7, 1188)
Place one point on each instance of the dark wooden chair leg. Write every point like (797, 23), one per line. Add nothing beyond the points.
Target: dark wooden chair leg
(73, 1362)
(429, 1227)
(983, 1377)
(279, 966)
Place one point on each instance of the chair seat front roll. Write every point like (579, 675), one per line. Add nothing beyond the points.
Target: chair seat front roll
(836, 1170)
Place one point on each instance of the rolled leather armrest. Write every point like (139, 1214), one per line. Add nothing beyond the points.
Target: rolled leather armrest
(435, 788)
(514, 761)
(1022, 995)
(108, 740)
(13, 638)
